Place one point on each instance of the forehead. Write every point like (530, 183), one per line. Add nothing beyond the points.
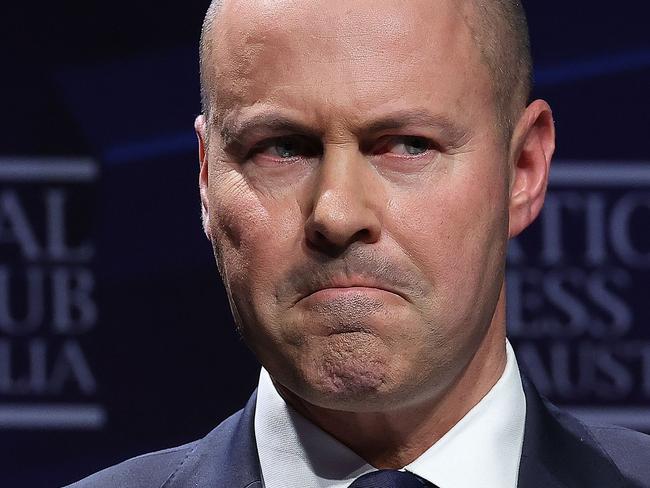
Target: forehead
(346, 57)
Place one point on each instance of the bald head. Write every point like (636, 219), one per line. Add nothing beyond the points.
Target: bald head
(359, 144)
(501, 32)
(499, 28)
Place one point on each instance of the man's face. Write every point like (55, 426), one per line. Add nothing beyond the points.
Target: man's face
(357, 194)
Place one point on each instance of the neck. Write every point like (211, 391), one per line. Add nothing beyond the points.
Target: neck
(394, 439)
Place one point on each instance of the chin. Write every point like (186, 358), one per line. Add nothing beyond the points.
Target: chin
(352, 371)
(345, 381)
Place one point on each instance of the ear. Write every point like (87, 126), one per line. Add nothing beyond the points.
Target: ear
(200, 127)
(532, 147)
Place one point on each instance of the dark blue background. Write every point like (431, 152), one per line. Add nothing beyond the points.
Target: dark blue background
(118, 81)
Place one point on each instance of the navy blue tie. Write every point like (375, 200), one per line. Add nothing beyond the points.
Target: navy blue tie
(389, 478)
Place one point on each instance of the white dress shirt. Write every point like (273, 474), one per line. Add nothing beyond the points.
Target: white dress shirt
(482, 450)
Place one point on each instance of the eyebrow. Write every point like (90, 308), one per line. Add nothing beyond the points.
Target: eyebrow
(233, 133)
(453, 133)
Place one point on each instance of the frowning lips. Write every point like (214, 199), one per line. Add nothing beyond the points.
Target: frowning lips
(359, 268)
(354, 282)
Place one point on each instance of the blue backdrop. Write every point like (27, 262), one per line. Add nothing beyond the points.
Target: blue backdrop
(110, 302)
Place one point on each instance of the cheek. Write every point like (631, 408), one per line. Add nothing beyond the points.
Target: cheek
(455, 232)
(253, 234)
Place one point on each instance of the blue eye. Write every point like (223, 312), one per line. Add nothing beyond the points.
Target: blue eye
(414, 146)
(404, 146)
(285, 149)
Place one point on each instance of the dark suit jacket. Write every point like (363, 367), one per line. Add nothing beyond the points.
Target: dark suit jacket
(559, 451)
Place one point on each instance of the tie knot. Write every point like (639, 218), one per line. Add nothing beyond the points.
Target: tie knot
(389, 478)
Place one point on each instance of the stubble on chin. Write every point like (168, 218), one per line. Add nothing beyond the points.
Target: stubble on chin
(346, 367)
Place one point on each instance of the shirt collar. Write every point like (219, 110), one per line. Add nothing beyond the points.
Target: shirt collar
(294, 452)
(483, 449)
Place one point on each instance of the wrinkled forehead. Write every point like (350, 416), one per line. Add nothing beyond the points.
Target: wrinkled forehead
(341, 51)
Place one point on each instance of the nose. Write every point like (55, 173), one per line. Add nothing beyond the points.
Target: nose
(346, 203)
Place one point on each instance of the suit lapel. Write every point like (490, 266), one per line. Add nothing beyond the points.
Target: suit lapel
(225, 458)
(559, 451)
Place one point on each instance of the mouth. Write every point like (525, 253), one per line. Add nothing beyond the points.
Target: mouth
(341, 288)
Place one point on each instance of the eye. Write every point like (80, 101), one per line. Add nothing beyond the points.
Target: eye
(407, 146)
(285, 148)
